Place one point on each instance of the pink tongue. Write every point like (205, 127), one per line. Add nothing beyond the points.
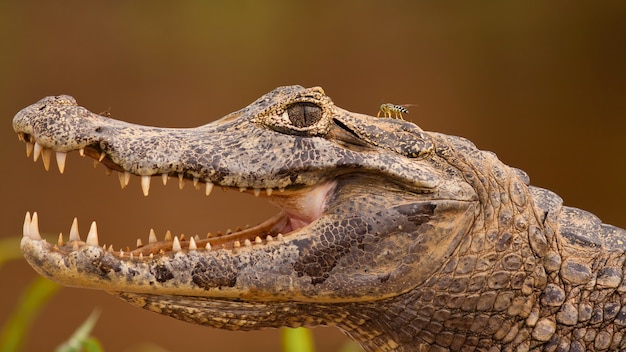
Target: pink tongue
(305, 206)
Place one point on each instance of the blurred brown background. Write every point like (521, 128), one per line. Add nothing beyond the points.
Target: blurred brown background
(541, 84)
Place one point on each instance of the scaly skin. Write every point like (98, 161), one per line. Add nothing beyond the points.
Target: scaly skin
(406, 240)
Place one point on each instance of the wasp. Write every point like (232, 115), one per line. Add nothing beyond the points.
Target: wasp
(394, 111)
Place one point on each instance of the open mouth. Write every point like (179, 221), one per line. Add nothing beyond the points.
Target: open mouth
(299, 207)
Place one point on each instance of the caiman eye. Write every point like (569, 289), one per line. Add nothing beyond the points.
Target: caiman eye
(304, 114)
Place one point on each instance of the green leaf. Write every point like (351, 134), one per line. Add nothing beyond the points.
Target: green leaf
(80, 340)
(10, 249)
(297, 340)
(31, 301)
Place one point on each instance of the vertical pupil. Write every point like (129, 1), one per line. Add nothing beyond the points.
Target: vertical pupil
(304, 114)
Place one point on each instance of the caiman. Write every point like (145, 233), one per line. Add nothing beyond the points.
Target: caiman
(406, 240)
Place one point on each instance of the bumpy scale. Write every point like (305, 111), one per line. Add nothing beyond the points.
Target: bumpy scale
(406, 240)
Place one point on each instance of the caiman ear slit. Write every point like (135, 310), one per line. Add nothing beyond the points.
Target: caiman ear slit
(304, 114)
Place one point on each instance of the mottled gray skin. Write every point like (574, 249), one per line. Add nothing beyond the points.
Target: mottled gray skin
(419, 241)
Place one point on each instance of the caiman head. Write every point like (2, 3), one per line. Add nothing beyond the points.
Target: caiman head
(370, 210)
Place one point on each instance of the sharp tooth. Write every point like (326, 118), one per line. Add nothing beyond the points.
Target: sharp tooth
(124, 178)
(20, 136)
(195, 181)
(61, 161)
(257, 192)
(151, 255)
(26, 226)
(279, 237)
(269, 238)
(168, 236)
(258, 240)
(208, 188)
(33, 231)
(182, 236)
(164, 178)
(192, 244)
(108, 171)
(208, 246)
(152, 237)
(102, 155)
(110, 249)
(181, 181)
(121, 253)
(81, 151)
(140, 255)
(268, 191)
(29, 149)
(247, 243)
(37, 151)
(176, 245)
(75, 246)
(92, 236)
(96, 163)
(74, 235)
(236, 244)
(242, 189)
(139, 243)
(46, 154)
(145, 185)
(60, 241)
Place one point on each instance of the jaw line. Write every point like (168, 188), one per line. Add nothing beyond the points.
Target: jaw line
(299, 208)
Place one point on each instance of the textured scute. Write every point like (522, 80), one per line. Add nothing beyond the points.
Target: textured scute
(416, 240)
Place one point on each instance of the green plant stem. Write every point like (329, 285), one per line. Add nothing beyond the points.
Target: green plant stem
(35, 296)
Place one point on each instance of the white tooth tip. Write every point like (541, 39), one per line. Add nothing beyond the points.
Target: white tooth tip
(268, 191)
(164, 178)
(81, 151)
(208, 188)
(208, 246)
(29, 149)
(176, 245)
(74, 235)
(192, 244)
(60, 241)
(152, 237)
(124, 178)
(102, 155)
(92, 237)
(242, 189)
(258, 240)
(37, 151)
(257, 192)
(61, 156)
(181, 181)
(33, 231)
(195, 181)
(145, 185)
(26, 226)
(46, 154)
(139, 243)
(237, 244)
(247, 243)
(168, 235)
